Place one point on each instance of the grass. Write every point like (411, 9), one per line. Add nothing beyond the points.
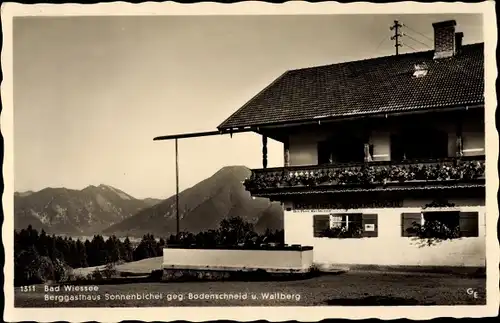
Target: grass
(141, 267)
(144, 266)
(352, 288)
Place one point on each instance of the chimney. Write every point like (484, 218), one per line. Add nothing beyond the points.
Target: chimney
(458, 42)
(444, 39)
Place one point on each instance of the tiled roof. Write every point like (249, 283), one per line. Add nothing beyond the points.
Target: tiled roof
(379, 85)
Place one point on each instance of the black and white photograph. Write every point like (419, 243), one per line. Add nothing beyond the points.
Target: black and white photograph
(324, 158)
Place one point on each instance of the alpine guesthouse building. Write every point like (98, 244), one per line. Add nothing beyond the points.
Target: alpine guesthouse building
(374, 150)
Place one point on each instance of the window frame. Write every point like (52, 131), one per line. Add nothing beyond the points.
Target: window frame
(462, 217)
(361, 219)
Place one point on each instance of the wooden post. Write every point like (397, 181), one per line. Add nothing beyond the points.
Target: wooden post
(177, 187)
(264, 151)
(368, 157)
(286, 156)
(366, 139)
(459, 143)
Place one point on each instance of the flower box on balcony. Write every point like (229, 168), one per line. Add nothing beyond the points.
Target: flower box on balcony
(369, 175)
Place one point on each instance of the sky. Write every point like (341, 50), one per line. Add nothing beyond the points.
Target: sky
(91, 93)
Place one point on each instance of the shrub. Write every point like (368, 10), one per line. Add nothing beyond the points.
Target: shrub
(62, 272)
(157, 275)
(46, 270)
(433, 232)
(343, 232)
(109, 271)
(96, 275)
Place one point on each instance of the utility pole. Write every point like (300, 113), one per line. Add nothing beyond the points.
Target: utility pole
(177, 187)
(396, 36)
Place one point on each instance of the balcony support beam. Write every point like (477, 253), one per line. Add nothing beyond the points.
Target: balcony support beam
(264, 151)
(460, 148)
(286, 151)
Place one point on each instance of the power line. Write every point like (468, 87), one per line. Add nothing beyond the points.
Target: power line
(409, 46)
(418, 41)
(404, 25)
(380, 44)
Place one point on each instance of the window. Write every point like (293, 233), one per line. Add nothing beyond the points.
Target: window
(346, 221)
(419, 143)
(464, 223)
(324, 153)
(345, 225)
(342, 149)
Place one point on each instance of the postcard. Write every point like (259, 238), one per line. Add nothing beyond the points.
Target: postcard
(294, 161)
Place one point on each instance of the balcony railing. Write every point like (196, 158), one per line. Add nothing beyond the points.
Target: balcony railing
(371, 174)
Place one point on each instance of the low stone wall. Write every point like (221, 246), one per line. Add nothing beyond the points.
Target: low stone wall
(273, 260)
(190, 275)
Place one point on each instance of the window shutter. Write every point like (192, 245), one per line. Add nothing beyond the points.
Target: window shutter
(407, 220)
(469, 224)
(370, 222)
(321, 222)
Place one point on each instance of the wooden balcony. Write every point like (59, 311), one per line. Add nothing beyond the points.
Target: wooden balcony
(461, 172)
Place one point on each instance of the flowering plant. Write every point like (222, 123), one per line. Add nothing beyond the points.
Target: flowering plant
(342, 232)
(434, 231)
(368, 175)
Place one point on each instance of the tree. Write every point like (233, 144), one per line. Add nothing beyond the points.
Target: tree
(235, 230)
(91, 253)
(112, 248)
(127, 250)
(63, 248)
(81, 254)
(42, 245)
(172, 239)
(73, 259)
(99, 251)
(208, 239)
(54, 252)
(31, 268)
(159, 246)
(141, 252)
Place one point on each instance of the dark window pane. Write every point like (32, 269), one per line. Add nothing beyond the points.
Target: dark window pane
(469, 224)
(407, 220)
(321, 222)
(419, 143)
(449, 219)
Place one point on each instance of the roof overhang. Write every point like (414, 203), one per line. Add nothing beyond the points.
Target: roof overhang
(328, 119)
(267, 129)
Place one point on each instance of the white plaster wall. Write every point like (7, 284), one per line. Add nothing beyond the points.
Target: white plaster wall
(304, 149)
(473, 143)
(473, 137)
(381, 145)
(237, 259)
(389, 248)
(307, 259)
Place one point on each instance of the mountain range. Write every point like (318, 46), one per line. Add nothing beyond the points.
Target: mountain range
(107, 210)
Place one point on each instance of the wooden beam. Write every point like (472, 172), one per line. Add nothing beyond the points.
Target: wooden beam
(203, 134)
(177, 189)
(264, 151)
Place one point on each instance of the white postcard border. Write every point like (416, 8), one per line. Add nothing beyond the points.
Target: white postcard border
(10, 10)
